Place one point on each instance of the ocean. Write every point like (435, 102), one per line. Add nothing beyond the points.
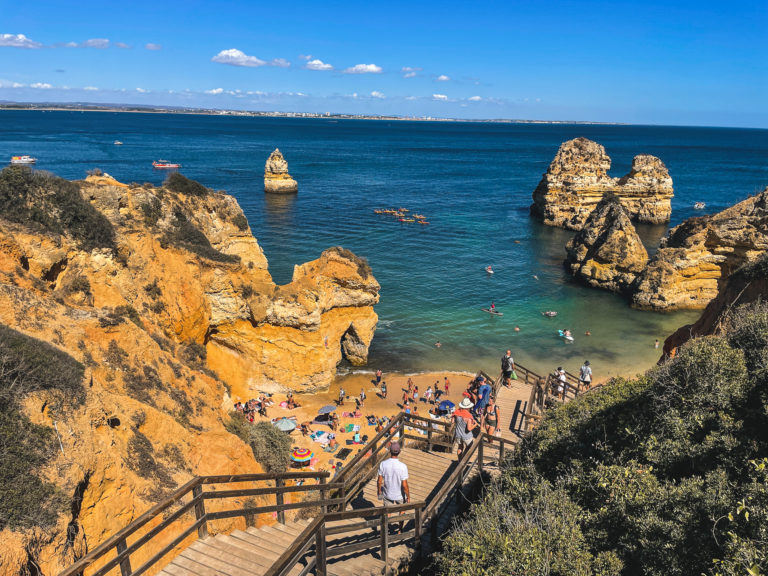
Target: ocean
(473, 182)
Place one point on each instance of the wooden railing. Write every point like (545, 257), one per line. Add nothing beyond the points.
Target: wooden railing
(195, 489)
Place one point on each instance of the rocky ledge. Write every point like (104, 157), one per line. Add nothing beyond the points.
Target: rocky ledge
(697, 256)
(276, 177)
(607, 252)
(577, 179)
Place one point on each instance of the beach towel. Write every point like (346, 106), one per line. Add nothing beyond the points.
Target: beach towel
(349, 427)
(331, 450)
(283, 404)
(356, 428)
(343, 453)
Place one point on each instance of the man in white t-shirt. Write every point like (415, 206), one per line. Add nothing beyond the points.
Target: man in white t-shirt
(392, 484)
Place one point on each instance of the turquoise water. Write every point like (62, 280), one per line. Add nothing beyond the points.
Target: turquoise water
(472, 181)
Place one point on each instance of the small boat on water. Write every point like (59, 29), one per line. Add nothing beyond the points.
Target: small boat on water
(699, 205)
(423, 222)
(118, 143)
(23, 160)
(165, 164)
(549, 313)
(489, 269)
(492, 312)
(409, 220)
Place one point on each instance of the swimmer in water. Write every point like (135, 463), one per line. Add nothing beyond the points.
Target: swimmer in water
(437, 344)
(517, 328)
(535, 277)
(587, 333)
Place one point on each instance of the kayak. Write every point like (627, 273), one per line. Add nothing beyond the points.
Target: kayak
(489, 270)
(562, 335)
(492, 312)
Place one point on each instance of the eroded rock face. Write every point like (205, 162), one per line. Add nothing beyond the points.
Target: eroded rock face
(747, 285)
(276, 177)
(577, 179)
(607, 252)
(698, 256)
(175, 323)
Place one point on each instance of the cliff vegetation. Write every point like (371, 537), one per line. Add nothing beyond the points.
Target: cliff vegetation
(665, 474)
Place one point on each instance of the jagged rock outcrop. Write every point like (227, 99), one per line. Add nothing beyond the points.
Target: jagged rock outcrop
(577, 179)
(607, 252)
(697, 256)
(747, 285)
(165, 298)
(276, 177)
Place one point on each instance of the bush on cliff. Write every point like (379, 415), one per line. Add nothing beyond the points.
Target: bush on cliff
(54, 205)
(184, 234)
(30, 366)
(662, 475)
(271, 447)
(176, 182)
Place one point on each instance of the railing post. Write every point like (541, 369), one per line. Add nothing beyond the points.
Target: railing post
(501, 451)
(280, 500)
(125, 564)
(480, 453)
(417, 528)
(323, 495)
(343, 502)
(320, 559)
(202, 530)
(385, 540)
(429, 438)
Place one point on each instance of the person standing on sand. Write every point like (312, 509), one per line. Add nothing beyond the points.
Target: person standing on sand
(415, 396)
(361, 398)
(342, 393)
(384, 390)
(656, 344)
(447, 384)
(392, 483)
(378, 377)
(507, 367)
(585, 375)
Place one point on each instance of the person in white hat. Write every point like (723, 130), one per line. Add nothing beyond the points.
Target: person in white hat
(464, 423)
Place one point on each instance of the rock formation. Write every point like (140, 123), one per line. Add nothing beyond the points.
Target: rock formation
(164, 296)
(747, 285)
(578, 178)
(276, 177)
(607, 252)
(697, 256)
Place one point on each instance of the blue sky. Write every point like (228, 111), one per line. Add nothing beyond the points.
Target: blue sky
(684, 63)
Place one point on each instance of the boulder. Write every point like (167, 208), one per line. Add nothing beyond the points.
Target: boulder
(276, 177)
(696, 257)
(577, 179)
(607, 252)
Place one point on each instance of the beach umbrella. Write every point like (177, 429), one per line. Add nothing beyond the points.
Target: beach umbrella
(285, 425)
(302, 455)
(446, 406)
(327, 409)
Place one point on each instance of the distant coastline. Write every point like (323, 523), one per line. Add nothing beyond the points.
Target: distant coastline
(88, 107)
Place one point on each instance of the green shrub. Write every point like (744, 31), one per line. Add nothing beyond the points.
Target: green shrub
(240, 221)
(184, 234)
(176, 182)
(141, 459)
(29, 365)
(128, 311)
(271, 447)
(152, 210)
(53, 205)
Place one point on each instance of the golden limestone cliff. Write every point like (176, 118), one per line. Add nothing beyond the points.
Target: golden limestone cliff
(161, 299)
(577, 179)
(699, 255)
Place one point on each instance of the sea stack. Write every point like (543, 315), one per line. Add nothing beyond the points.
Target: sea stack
(577, 179)
(607, 252)
(276, 177)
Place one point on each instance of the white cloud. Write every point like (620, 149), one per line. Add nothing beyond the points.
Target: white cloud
(215, 91)
(91, 89)
(377, 94)
(354, 96)
(363, 69)
(153, 46)
(317, 64)
(18, 41)
(142, 90)
(305, 56)
(410, 71)
(7, 84)
(280, 63)
(70, 45)
(441, 97)
(235, 57)
(475, 98)
(443, 78)
(99, 43)
(410, 97)
(122, 45)
(41, 86)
